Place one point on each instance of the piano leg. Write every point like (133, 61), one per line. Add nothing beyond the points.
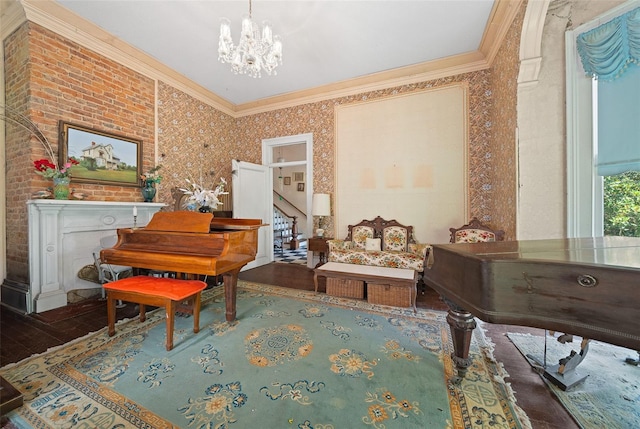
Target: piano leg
(230, 288)
(462, 324)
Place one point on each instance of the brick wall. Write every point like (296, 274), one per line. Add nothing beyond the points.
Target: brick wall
(49, 78)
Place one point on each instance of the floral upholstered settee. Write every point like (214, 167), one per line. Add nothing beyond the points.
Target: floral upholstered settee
(379, 242)
(475, 232)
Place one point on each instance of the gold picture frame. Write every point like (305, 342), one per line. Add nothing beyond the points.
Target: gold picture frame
(103, 158)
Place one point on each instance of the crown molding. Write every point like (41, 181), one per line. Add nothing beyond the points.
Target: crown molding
(53, 16)
(450, 66)
(500, 20)
(11, 17)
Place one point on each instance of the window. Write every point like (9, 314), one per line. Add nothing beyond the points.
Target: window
(621, 201)
(586, 205)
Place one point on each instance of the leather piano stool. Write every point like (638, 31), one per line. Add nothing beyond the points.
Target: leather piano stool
(172, 294)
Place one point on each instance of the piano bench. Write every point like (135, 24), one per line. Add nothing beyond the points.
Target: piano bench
(172, 294)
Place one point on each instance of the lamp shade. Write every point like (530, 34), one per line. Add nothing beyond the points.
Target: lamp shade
(321, 205)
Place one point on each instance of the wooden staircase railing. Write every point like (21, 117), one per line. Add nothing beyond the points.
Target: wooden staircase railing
(294, 243)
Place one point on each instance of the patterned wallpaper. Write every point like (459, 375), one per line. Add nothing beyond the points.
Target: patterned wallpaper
(194, 142)
(502, 190)
(192, 136)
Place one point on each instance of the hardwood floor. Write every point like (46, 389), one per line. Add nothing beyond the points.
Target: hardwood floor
(24, 335)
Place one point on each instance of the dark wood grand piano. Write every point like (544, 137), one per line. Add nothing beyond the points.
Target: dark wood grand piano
(585, 286)
(190, 243)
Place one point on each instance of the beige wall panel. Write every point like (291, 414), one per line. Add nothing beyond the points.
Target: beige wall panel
(404, 158)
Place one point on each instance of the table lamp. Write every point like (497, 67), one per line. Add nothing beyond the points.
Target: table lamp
(321, 207)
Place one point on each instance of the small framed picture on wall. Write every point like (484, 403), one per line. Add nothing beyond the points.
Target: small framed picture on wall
(301, 187)
(287, 180)
(298, 177)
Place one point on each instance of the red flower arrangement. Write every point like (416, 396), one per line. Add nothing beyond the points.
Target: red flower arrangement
(48, 169)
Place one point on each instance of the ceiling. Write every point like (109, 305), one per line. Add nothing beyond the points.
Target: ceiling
(324, 41)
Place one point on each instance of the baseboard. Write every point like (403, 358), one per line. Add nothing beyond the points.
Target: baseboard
(15, 295)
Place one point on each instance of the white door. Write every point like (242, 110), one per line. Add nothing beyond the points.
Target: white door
(252, 199)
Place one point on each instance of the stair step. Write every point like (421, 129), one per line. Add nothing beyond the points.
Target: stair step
(282, 232)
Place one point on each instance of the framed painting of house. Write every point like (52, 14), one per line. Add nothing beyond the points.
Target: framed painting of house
(102, 157)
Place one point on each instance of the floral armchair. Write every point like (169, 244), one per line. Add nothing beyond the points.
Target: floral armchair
(379, 242)
(475, 232)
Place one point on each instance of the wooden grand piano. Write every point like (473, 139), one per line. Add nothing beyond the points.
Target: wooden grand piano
(585, 286)
(190, 243)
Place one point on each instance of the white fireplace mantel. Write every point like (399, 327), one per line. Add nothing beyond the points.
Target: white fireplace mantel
(63, 235)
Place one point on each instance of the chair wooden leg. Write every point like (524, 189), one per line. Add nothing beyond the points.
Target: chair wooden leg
(143, 312)
(111, 315)
(170, 309)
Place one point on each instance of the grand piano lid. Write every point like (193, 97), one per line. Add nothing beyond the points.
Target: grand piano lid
(611, 251)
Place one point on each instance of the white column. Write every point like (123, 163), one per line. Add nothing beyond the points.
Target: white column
(45, 258)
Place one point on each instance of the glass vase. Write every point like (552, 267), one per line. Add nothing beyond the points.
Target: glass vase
(148, 191)
(61, 188)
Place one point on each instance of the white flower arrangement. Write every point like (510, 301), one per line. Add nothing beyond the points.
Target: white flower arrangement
(199, 197)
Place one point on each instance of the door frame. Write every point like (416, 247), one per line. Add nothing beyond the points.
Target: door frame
(267, 159)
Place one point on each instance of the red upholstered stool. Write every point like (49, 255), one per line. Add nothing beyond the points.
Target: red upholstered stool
(172, 294)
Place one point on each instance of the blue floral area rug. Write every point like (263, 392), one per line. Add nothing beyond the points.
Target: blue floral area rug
(293, 359)
(610, 395)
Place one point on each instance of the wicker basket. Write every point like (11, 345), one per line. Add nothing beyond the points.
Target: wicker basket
(345, 288)
(389, 294)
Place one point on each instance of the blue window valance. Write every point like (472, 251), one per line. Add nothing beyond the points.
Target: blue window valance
(607, 50)
(611, 54)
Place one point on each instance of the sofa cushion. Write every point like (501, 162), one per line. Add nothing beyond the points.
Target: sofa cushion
(372, 244)
(339, 245)
(419, 249)
(378, 258)
(395, 238)
(360, 234)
